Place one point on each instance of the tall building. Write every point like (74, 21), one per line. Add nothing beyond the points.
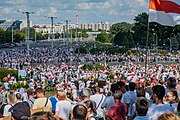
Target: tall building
(15, 24)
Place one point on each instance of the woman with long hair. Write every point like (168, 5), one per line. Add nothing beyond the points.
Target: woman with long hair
(91, 110)
(172, 99)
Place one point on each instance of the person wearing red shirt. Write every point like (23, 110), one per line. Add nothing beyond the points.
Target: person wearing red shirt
(119, 110)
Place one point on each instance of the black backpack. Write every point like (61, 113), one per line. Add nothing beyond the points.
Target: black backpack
(20, 109)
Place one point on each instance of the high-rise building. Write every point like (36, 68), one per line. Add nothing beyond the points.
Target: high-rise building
(15, 24)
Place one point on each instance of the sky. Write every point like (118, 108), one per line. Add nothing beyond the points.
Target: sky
(89, 11)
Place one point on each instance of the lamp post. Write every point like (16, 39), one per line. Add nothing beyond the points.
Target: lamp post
(156, 46)
(71, 49)
(12, 34)
(35, 34)
(27, 29)
(170, 42)
(52, 32)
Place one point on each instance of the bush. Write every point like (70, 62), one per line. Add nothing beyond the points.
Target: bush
(18, 85)
(111, 76)
(4, 72)
(129, 52)
(99, 66)
(136, 53)
(88, 66)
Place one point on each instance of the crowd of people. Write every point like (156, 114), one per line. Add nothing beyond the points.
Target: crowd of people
(14, 57)
(118, 92)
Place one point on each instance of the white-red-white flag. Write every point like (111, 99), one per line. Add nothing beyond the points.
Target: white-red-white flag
(80, 65)
(63, 65)
(165, 12)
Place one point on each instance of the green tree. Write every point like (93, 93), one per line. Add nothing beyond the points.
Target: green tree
(123, 26)
(175, 43)
(103, 37)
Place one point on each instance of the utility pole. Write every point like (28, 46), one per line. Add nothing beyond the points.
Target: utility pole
(71, 49)
(27, 29)
(12, 28)
(156, 48)
(35, 34)
(52, 33)
(67, 35)
(77, 36)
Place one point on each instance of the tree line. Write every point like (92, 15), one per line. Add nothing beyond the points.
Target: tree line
(134, 35)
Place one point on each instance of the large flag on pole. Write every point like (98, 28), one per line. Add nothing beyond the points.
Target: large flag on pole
(165, 12)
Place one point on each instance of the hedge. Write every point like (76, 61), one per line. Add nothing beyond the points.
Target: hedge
(4, 73)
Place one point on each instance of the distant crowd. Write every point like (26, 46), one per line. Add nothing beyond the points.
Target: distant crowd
(117, 92)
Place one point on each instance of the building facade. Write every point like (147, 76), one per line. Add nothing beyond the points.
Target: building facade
(15, 24)
(61, 28)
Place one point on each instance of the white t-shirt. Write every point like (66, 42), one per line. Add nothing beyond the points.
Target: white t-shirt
(6, 110)
(97, 98)
(63, 107)
(156, 110)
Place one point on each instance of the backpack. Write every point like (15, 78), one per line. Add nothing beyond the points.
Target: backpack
(20, 109)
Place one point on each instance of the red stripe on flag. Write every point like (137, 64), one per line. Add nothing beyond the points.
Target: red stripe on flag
(164, 5)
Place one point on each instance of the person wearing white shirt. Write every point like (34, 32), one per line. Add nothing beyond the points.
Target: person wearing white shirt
(63, 107)
(158, 107)
(98, 99)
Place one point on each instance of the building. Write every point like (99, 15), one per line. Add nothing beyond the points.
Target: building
(15, 24)
(57, 28)
(96, 26)
(61, 28)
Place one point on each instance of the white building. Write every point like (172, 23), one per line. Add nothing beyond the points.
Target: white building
(96, 26)
(60, 28)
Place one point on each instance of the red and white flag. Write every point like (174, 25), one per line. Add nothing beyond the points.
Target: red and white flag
(80, 65)
(63, 65)
(165, 12)
(105, 65)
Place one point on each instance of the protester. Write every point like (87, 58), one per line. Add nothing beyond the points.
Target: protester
(11, 100)
(79, 112)
(173, 99)
(92, 113)
(42, 116)
(119, 110)
(98, 99)
(63, 107)
(168, 116)
(41, 100)
(158, 107)
(108, 102)
(141, 109)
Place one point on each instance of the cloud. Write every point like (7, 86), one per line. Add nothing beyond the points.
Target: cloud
(7, 10)
(84, 6)
(88, 10)
(113, 13)
(53, 12)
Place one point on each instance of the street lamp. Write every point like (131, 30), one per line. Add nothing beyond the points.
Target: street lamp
(12, 28)
(27, 29)
(170, 42)
(156, 46)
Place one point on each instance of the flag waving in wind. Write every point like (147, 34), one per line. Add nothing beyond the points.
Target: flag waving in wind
(165, 12)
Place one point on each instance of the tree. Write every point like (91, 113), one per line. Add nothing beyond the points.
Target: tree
(123, 26)
(103, 37)
(175, 43)
(140, 28)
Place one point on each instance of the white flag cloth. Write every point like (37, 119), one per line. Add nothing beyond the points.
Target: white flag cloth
(165, 12)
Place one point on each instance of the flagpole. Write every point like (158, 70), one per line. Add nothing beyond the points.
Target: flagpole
(147, 40)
